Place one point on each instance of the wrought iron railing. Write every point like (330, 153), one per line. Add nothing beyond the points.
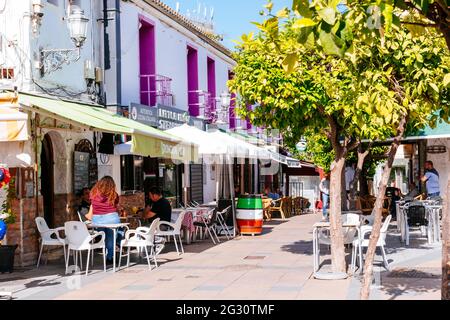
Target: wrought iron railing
(156, 89)
(202, 105)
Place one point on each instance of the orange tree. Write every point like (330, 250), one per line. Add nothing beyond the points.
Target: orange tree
(361, 90)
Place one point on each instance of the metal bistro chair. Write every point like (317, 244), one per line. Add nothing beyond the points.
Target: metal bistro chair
(221, 219)
(208, 223)
(416, 217)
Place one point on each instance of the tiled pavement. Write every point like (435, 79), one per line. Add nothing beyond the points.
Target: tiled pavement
(274, 265)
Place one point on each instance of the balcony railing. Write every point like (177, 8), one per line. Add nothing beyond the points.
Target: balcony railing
(156, 89)
(202, 105)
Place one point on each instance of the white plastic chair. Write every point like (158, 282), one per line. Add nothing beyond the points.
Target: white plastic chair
(79, 239)
(46, 237)
(349, 233)
(380, 244)
(175, 230)
(142, 237)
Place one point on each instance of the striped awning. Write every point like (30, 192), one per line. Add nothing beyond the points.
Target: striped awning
(13, 123)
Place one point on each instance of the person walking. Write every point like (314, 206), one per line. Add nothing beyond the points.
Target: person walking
(431, 178)
(324, 188)
(104, 209)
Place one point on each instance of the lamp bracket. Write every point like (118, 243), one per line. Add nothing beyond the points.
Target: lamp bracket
(54, 59)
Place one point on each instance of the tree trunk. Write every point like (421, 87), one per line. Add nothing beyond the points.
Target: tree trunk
(377, 211)
(363, 184)
(446, 32)
(445, 290)
(353, 185)
(337, 240)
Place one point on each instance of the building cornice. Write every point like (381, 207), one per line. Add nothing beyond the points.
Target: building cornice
(187, 24)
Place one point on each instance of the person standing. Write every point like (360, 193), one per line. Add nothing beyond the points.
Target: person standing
(431, 178)
(324, 188)
(104, 209)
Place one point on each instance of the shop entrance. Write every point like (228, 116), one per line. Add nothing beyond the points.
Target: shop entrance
(47, 180)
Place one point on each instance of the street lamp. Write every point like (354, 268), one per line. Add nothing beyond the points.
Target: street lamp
(53, 59)
(77, 24)
(225, 101)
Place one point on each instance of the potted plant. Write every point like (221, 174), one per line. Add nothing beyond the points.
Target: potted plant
(6, 217)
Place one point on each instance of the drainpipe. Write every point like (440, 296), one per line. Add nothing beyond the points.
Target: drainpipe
(111, 34)
(118, 55)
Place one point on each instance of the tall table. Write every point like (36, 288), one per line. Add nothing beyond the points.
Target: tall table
(324, 224)
(114, 228)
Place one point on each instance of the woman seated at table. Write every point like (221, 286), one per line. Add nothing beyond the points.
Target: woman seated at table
(105, 209)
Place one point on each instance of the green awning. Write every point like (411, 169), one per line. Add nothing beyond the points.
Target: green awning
(146, 140)
(442, 130)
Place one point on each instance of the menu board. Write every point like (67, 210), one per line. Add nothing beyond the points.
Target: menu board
(80, 171)
(93, 169)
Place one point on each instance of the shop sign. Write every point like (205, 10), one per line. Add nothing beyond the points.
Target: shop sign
(293, 163)
(163, 117)
(144, 114)
(169, 117)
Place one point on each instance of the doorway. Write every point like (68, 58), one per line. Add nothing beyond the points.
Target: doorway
(47, 180)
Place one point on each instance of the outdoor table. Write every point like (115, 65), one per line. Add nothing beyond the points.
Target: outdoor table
(114, 228)
(186, 224)
(319, 225)
(433, 218)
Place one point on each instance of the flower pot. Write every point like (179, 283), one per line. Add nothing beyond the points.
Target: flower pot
(7, 258)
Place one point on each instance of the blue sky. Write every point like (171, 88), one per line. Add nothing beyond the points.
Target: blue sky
(231, 17)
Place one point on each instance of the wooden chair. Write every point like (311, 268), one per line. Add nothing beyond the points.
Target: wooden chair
(280, 206)
(288, 206)
(266, 206)
(420, 197)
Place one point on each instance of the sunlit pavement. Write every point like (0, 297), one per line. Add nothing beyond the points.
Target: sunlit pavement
(274, 265)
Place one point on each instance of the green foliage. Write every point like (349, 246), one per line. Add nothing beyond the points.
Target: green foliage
(298, 87)
(6, 205)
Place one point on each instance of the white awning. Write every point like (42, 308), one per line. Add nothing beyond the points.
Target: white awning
(13, 123)
(240, 148)
(207, 144)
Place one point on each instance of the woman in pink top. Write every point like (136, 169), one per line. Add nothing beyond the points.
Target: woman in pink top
(104, 210)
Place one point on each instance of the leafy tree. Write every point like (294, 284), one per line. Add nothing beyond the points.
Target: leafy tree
(371, 90)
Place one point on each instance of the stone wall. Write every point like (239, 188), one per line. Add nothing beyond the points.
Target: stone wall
(132, 200)
(24, 232)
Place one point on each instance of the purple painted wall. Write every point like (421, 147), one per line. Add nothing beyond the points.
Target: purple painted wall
(147, 61)
(192, 74)
(249, 125)
(232, 116)
(232, 104)
(212, 77)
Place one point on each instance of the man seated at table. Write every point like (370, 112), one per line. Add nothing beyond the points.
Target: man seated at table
(268, 193)
(158, 208)
(85, 204)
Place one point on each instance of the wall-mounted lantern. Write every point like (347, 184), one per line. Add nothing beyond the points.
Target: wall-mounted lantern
(53, 59)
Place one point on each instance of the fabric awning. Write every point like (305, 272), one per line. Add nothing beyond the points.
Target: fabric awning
(242, 149)
(442, 130)
(13, 123)
(146, 140)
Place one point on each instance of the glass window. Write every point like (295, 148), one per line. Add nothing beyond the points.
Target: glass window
(131, 173)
